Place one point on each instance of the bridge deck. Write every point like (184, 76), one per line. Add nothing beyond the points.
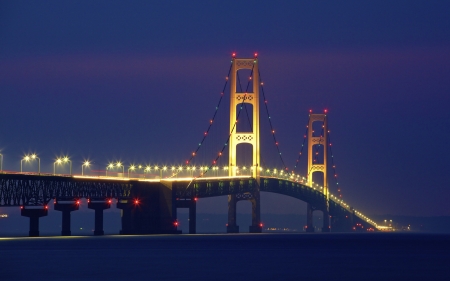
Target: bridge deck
(18, 189)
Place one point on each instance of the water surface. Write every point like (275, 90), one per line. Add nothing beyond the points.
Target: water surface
(318, 256)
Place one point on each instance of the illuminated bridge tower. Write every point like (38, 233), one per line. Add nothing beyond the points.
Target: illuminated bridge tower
(236, 138)
(313, 143)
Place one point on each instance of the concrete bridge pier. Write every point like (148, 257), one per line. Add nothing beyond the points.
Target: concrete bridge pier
(231, 225)
(254, 198)
(193, 217)
(99, 206)
(66, 207)
(34, 215)
(309, 218)
(148, 209)
(127, 208)
(192, 205)
(256, 226)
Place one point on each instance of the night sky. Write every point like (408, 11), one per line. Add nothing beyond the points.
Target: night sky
(138, 81)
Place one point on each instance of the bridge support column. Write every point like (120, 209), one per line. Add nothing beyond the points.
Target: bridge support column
(256, 226)
(231, 226)
(99, 206)
(126, 216)
(309, 218)
(193, 217)
(66, 207)
(192, 205)
(34, 215)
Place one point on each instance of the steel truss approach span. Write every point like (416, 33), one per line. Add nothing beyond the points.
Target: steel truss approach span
(34, 190)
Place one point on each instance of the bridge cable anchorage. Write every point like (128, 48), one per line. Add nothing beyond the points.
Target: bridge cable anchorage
(270, 123)
(211, 121)
(334, 166)
(303, 145)
(232, 130)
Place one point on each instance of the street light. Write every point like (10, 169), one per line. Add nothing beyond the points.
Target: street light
(118, 164)
(60, 161)
(67, 160)
(28, 158)
(1, 163)
(110, 166)
(147, 169)
(87, 164)
(160, 171)
(132, 167)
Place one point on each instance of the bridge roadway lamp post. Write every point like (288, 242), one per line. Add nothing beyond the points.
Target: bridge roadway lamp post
(147, 169)
(160, 171)
(85, 164)
(1, 162)
(118, 164)
(110, 166)
(132, 168)
(60, 161)
(28, 158)
(67, 160)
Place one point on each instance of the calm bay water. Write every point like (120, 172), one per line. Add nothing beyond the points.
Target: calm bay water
(377, 256)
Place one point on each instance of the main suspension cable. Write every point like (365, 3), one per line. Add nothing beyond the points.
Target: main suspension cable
(305, 136)
(333, 165)
(270, 122)
(211, 121)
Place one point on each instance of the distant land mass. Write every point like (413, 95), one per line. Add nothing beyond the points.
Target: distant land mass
(436, 224)
(207, 223)
(12, 224)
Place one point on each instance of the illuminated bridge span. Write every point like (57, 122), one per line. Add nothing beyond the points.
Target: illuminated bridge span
(150, 205)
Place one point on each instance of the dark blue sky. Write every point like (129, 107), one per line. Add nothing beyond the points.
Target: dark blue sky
(138, 82)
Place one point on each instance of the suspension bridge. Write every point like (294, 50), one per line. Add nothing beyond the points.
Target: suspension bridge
(149, 200)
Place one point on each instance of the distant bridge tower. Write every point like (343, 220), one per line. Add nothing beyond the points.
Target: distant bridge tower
(236, 138)
(313, 142)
